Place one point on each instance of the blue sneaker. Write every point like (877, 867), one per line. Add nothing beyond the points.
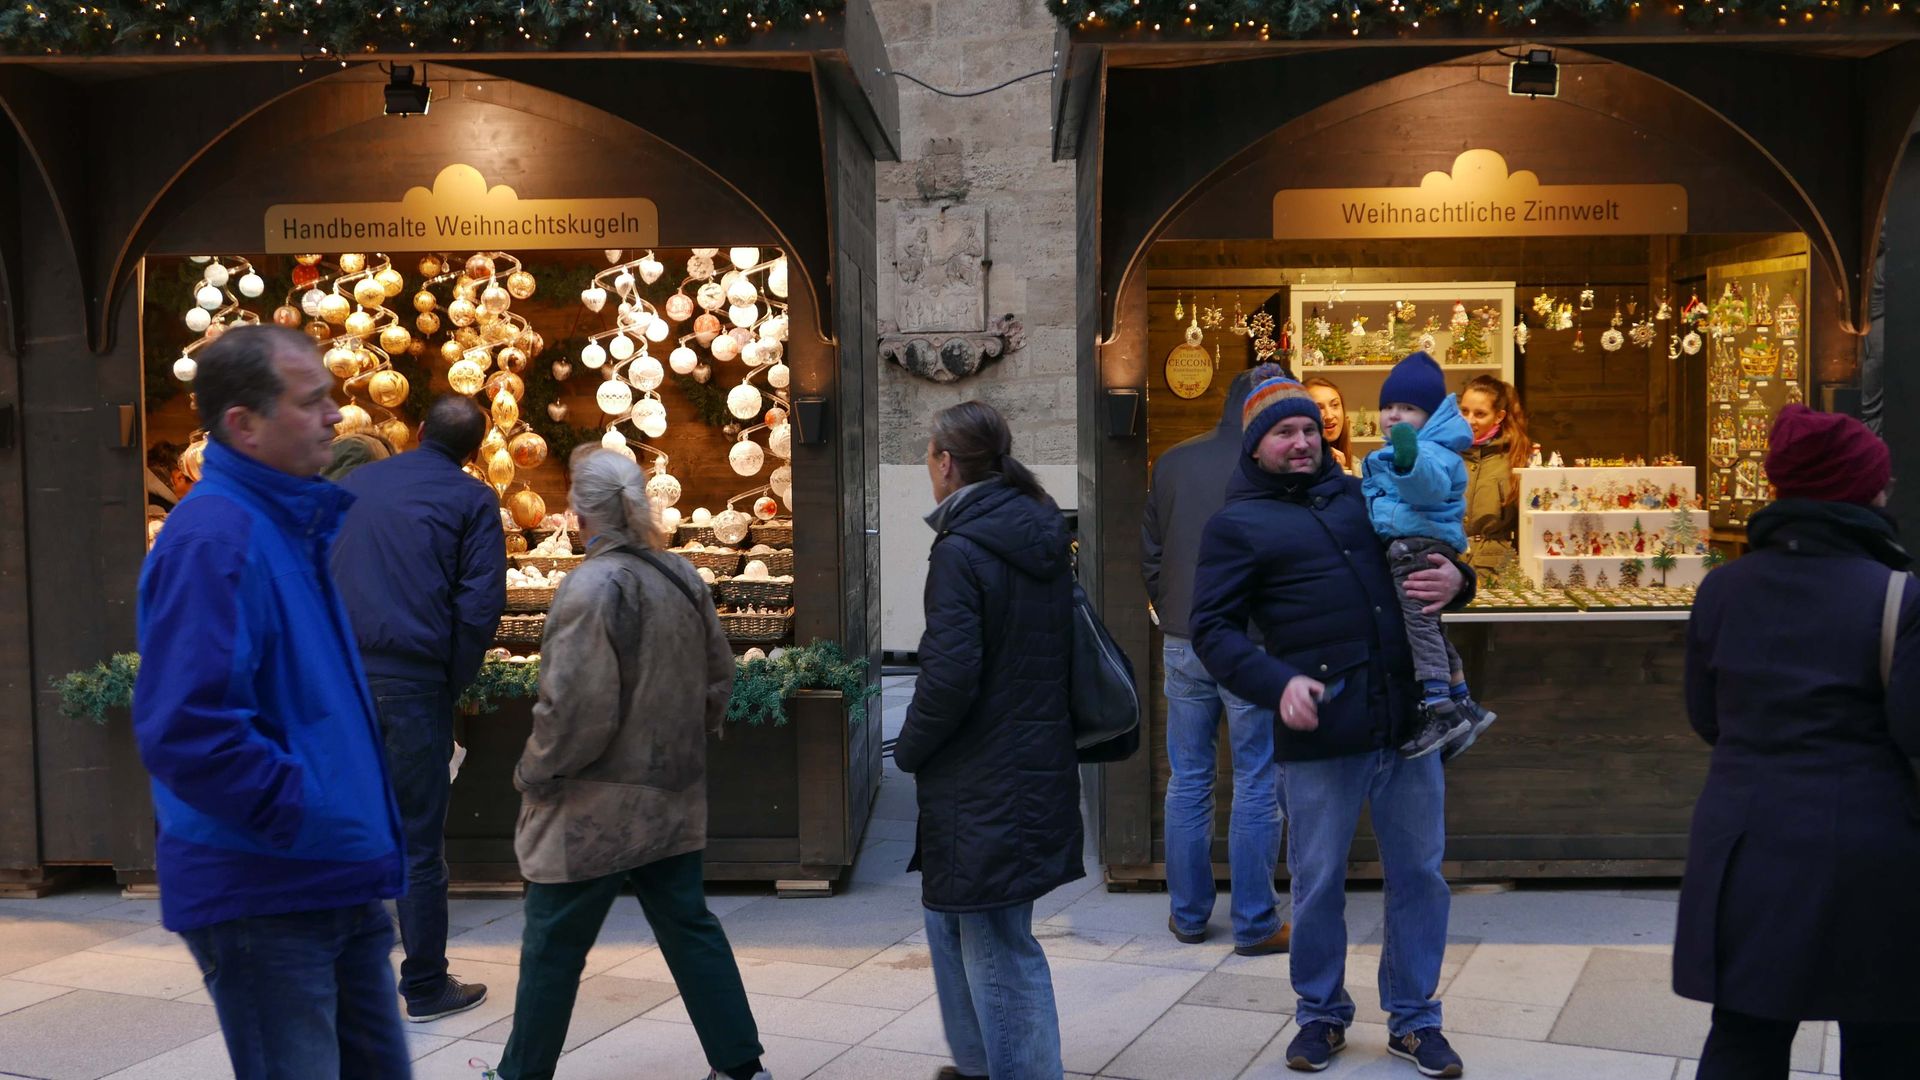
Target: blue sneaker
(1313, 1049)
(1429, 1052)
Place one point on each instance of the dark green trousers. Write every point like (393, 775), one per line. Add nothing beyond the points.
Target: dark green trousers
(562, 923)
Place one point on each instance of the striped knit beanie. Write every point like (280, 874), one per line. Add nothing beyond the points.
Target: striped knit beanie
(1271, 402)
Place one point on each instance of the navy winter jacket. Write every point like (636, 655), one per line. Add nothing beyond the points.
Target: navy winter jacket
(988, 735)
(1297, 558)
(422, 565)
(1189, 485)
(251, 712)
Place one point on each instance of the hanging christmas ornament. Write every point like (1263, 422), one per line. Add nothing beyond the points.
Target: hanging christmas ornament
(683, 360)
(432, 266)
(216, 275)
(304, 276)
(359, 324)
(679, 307)
(1521, 333)
(743, 401)
(353, 419)
(252, 285)
(506, 411)
(781, 481)
(1579, 344)
(480, 266)
(775, 417)
(209, 297)
(1611, 340)
(765, 508)
(496, 299)
(198, 319)
(521, 284)
(663, 488)
(700, 518)
(780, 440)
(318, 330)
(342, 361)
(594, 298)
(512, 359)
(528, 508)
(669, 519)
(462, 312)
(778, 376)
(700, 266)
(777, 278)
(653, 425)
(730, 526)
(744, 257)
(303, 260)
(352, 263)
(651, 268)
(1690, 344)
(557, 411)
(185, 368)
(500, 470)
(744, 315)
(726, 348)
(774, 329)
(646, 373)
(390, 281)
(623, 283)
(451, 351)
(614, 396)
(740, 292)
(466, 377)
(658, 331)
(387, 388)
(710, 296)
(620, 347)
(288, 316)
(705, 329)
(593, 355)
(613, 440)
(396, 432)
(702, 373)
(508, 382)
(528, 450)
(395, 339)
(311, 302)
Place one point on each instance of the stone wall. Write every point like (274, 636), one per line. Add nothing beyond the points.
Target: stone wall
(991, 153)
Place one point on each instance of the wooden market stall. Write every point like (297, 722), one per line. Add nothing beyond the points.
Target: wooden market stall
(131, 170)
(1369, 191)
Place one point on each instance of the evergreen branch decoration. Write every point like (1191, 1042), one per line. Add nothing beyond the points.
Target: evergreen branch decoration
(92, 693)
(498, 681)
(337, 28)
(709, 401)
(1263, 19)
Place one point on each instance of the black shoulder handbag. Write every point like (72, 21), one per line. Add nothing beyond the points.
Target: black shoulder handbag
(1101, 692)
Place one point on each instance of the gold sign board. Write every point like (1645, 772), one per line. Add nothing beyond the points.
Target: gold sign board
(460, 212)
(1480, 197)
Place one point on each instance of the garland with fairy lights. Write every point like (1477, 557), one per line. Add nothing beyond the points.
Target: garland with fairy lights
(1262, 19)
(335, 28)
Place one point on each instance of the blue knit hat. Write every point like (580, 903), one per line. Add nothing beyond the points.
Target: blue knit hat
(1271, 402)
(1417, 381)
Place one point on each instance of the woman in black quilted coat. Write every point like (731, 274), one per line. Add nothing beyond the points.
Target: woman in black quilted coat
(990, 742)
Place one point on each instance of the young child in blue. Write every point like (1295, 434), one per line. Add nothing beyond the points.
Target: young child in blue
(1416, 489)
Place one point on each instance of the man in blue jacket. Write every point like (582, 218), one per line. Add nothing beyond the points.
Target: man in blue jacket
(278, 834)
(422, 567)
(1293, 555)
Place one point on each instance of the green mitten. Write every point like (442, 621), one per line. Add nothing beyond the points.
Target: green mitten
(1406, 448)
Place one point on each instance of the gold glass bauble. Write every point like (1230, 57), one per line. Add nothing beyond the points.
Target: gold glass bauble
(507, 381)
(334, 308)
(485, 316)
(466, 377)
(360, 324)
(492, 442)
(192, 457)
(468, 337)
(527, 507)
(461, 312)
(368, 293)
(528, 449)
(506, 411)
(496, 299)
(465, 289)
(416, 348)
(480, 265)
(451, 351)
(396, 432)
(390, 281)
(395, 338)
(425, 301)
(318, 330)
(288, 316)
(343, 361)
(498, 332)
(520, 284)
(353, 419)
(388, 388)
(431, 266)
(512, 359)
(427, 322)
(531, 342)
(516, 543)
(307, 260)
(352, 262)
(500, 470)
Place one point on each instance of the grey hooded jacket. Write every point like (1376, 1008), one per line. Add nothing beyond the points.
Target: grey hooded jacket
(1189, 485)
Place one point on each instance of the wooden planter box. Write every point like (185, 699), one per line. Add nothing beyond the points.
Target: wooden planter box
(786, 804)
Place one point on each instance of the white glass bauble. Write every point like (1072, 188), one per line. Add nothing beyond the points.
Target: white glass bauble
(775, 328)
(771, 351)
(217, 275)
(613, 440)
(730, 526)
(777, 277)
(683, 360)
(651, 268)
(744, 257)
(658, 330)
(710, 296)
(726, 348)
(746, 457)
(708, 252)
(621, 347)
(200, 258)
(669, 519)
(626, 451)
(778, 376)
(700, 266)
(252, 285)
(743, 401)
(209, 297)
(781, 481)
(615, 397)
(780, 440)
(646, 373)
(701, 516)
(593, 355)
(185, 369)
(198, 319)
(612, 254)
(663, 489)
(744, 314)
(653, 426)
(310, 302)
(750, 354)
(496, 299)
(623, 283)
(594, 298)
(742, 292)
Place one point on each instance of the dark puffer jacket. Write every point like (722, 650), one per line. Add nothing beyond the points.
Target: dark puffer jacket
(988, 736)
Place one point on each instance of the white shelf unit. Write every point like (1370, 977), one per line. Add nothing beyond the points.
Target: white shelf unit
(1359, 384)
(1689, 568)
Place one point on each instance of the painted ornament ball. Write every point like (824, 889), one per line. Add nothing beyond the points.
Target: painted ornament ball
(512, 359)
(288, 316)
(451, 351)
(353, 420)
(730, 526)
(431, 266)
(466, 377)
(480, 265)
(521, 284)
(726, 348)
(252, 285)
(198, 319)
(702, 517)
(679, 307)
(318, 330)
(528, 449)
(781, 481)
(387, 388)
(334, 308)
(651, 268)
(352, 262)
(706, 329)
(746, 457)
(496, 299)
(368, 293)
(307, 260)
(663, 489)
(391, 283)
(427, 322)
(527, 507)
(780, 441)
(506, 411)
(743, 401)
(712, 296)
(395, 339)
(614, 396)
(506, 382)
(765, 508)
(397, 433)
(500, 470)
(304, 275)
(425, 301)
(360, 324)
(342, 361)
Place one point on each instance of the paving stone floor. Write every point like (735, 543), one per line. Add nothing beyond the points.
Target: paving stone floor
(1561, 984)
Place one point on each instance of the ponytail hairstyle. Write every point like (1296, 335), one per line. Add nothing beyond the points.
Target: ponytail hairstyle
(609, 494)
(982, 446)
(1506, 398)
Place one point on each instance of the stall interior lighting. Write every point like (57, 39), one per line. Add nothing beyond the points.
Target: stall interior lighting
(1535, 76)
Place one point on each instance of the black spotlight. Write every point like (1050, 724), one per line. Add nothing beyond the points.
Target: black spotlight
(404, 96)
(1536, 76)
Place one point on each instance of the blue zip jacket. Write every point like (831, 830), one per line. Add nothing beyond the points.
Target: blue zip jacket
(425, 600)
(251, 711)
(1429, 500)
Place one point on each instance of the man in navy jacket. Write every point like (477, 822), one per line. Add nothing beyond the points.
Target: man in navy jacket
(1293, 555)
(278, 833)
(422, 566)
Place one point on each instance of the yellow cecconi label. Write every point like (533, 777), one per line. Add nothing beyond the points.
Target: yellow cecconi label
(461, 212)
(1189, 370)
(1480, 197)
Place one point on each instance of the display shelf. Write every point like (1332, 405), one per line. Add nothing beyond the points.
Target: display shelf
(1614, 615)
(1315, 369)
(1635, 512)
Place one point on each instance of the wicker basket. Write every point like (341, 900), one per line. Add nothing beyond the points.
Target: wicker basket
(755, 592)
(720, 562)
(521, 629)
(757, 626)
(549, 563)
(529, 599)
(778, 533)
(535, 536)
(696, 534)
(778, 562)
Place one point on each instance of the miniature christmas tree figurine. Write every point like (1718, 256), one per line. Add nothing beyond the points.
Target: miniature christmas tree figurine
(1682, 533)
(1630, 573)
(1715, 558)
(1552, 580)
(1664, 561)
(1602, 582)
(1577, 577)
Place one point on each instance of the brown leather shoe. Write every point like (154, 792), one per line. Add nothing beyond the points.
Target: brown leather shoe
(1275, 944)
(1185, 938)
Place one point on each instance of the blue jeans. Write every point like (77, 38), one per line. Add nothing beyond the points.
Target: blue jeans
(417, 720)
(306, 996)
(1194, 702)
(996, 994)
(1408, 800)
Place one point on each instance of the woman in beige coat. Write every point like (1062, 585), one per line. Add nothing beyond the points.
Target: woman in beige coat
(635, 669)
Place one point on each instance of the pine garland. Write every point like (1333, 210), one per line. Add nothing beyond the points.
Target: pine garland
(335, 28)
(1262, 19)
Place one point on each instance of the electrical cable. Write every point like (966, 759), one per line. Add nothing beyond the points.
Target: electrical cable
(883, 72)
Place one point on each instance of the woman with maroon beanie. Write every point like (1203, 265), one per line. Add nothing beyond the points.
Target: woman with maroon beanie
(1802, 891)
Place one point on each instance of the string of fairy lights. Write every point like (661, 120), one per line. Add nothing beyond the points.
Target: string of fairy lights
(340, 28)
(1264, 19)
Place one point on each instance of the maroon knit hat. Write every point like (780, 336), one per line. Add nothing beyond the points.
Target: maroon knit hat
(1826, 456)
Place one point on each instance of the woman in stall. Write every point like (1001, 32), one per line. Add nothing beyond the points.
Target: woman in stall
(1333, 421)
(1500, 445)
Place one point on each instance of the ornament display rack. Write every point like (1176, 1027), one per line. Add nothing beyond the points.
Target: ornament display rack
(1467, 326)
(1653, 551)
